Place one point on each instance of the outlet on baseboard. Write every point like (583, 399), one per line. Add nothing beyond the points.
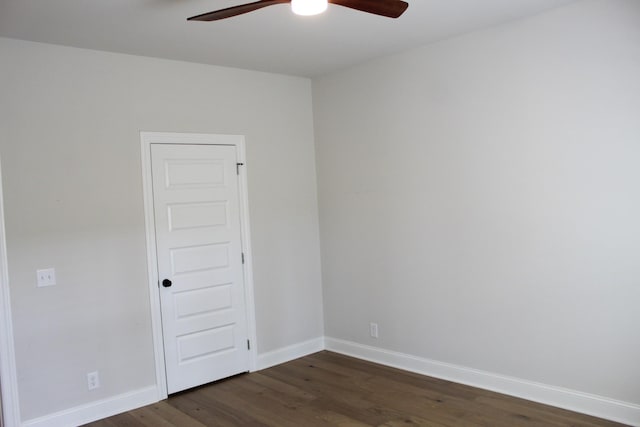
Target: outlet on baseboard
(373, 330)
(93, 380)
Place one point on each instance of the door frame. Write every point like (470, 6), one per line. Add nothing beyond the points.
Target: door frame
(8, 373)
(146, 139)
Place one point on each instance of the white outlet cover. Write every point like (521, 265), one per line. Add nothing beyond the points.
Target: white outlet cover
(93, 380)
(46, 277)
(373, 330)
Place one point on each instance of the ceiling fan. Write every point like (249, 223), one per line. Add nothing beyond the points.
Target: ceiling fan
(388, 8)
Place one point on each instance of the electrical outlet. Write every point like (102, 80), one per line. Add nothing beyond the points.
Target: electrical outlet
(46, 277)
(373, 330)
(93, 380)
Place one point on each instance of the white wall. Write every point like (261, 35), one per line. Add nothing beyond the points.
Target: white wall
(480, 199)
(70, 153)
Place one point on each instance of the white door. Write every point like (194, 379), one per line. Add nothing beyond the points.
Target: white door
(198, 239)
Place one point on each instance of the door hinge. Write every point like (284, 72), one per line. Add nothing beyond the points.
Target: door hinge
(248, 345)
(242, 256)
(238, 167)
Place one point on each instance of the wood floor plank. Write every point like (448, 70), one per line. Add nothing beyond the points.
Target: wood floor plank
(281, 387)
(211, 412)
(124, 420)
(341, 420)
(412, 420)
(327, 390)
(375, 403)
(547, 415)
(338, 393)
(264, 408)
(162, 414)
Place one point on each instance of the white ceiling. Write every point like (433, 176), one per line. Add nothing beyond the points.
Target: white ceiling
(272, 39)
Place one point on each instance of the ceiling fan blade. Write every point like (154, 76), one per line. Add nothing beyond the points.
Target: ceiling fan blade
(388, 8)
(235, 10)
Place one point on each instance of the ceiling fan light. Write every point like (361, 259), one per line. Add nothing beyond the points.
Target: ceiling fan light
(308, 7)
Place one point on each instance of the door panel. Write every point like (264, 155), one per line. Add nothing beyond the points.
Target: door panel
(187, 260)
(197, 217)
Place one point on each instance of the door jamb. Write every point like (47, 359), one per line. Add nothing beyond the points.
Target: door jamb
(8, 373)
(146, 139)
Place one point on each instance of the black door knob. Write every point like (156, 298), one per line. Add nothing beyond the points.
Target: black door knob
(166, 283)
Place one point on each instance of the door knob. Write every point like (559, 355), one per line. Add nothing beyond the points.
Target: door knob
(166, 283)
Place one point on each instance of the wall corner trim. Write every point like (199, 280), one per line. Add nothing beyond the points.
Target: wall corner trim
(97, 410)
(8, 374)
(573, 400)
(291, 352)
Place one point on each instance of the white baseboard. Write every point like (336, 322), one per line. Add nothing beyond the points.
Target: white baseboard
(97, 410)
(285, 354)
(126, 402)
(585, 403)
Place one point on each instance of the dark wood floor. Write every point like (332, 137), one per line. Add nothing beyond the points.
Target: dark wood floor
(327, 389)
